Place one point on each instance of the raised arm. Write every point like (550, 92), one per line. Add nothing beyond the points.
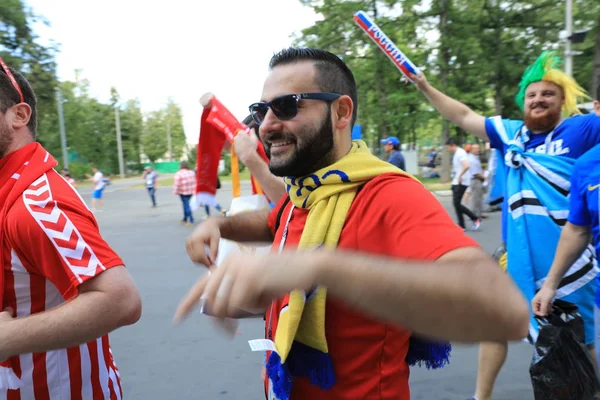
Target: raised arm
(451, 109)
(245, 148)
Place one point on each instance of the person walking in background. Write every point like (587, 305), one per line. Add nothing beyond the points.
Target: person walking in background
(184, 187)
(466, 199)
(477, 179)
(432, 158)
(151, 178)
(460, 183)
(99, 184)
(391, 146)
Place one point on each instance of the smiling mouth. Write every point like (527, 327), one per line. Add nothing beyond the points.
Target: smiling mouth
(540, 106)
(280, 143)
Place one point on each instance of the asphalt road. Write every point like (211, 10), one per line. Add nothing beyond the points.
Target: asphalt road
(195, 361)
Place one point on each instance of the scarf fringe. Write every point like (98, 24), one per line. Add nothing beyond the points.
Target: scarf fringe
(433, 355)
(302, 361)
(8, 379)
(280, 377)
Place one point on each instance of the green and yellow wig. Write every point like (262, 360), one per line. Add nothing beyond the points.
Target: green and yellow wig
(547, 68)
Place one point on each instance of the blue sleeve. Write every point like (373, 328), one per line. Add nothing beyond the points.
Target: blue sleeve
(578, 210)
(493, 135)
(401, 163)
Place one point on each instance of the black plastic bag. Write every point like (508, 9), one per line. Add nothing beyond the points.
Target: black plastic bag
(562, 368)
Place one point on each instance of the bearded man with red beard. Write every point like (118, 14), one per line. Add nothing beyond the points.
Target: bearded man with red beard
(551, 126)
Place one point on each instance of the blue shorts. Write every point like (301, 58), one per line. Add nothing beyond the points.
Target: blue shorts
(97, 194)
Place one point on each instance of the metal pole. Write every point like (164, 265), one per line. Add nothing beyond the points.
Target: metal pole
(119, 144)
(169, 140)
(569, 27)
(61, 124)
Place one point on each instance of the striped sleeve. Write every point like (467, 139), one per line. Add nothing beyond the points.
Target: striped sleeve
(53, 230)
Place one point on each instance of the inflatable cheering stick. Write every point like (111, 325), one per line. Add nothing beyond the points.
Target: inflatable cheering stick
(386, 45)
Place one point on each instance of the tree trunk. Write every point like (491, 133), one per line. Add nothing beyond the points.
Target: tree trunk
(444, 69)
(499, 84)
(461, 136)
(413, 131)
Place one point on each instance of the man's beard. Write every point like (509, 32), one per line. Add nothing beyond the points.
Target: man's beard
(313, 148)
(544, 122)
(6, 138)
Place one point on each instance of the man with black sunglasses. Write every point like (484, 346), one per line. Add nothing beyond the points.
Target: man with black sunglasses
(365, 259)
(62, 288)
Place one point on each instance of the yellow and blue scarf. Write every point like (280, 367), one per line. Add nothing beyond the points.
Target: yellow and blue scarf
(300, 336)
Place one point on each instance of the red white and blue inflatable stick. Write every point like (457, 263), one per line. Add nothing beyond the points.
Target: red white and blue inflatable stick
(386, 45)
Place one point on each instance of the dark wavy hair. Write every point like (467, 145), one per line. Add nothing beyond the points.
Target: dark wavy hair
(9, 96)
(333, 75)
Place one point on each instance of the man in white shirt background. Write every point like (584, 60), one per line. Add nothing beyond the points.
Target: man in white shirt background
(461, 180)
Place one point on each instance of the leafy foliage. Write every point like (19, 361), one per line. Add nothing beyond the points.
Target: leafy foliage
(472, 50)
(90, 124)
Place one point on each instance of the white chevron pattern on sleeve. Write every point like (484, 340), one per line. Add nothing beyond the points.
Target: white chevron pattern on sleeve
(67, 240)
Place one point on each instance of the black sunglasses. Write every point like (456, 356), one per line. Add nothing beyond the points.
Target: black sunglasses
(286, 107)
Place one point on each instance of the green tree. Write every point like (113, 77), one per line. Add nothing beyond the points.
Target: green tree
(386, 107)
(20, 49)
(596, 62)
(174, 119)
(192, 154)
(90, 124)
(473, 50)
(132, 126)
(90, 127)
(154, 136)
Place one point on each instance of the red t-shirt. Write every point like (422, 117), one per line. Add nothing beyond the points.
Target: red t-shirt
(392, 215)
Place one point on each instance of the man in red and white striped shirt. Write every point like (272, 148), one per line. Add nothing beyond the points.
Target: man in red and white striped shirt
(63, 289)
(184, 186)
